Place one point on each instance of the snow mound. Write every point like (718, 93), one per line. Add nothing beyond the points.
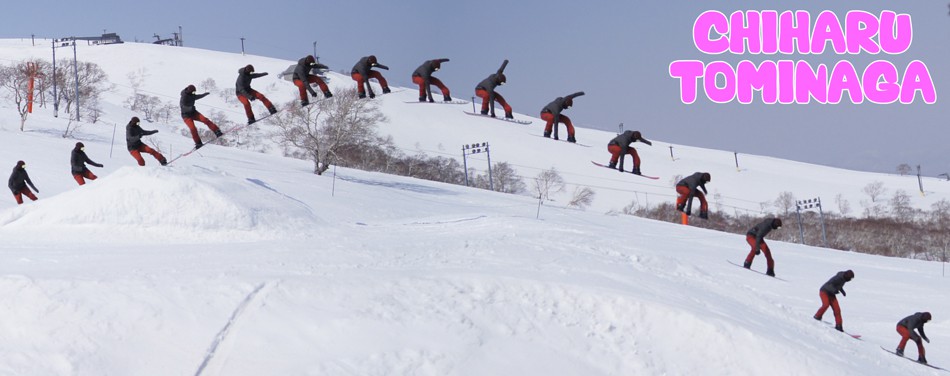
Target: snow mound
(191, 204)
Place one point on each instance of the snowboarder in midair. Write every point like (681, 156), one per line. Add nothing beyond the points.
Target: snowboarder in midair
(423, 77)
(828, 293)
(756, 239)
(245, 94)
(906, 329)
(18, 183)
(133, 140)
(486, 91)
(363, 71)
(78, 160)
(189, 114)
(552, 115)
(303, 79)
(619, 147)
(688, 188)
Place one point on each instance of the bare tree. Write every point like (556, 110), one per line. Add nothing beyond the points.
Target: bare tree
(900, 206)
(582, 197)
(92, 81)
(329, 126)
(874, 190)
(785, 201)
(506, 179)
(14, 82)
(548, 182)
(844, 207)
(903, 169)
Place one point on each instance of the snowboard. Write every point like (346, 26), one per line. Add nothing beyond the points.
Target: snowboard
(645, 176)
(224, 133)
(455, 101)
(855, 336)
(923, 364)
(525, 122)
(755, 271)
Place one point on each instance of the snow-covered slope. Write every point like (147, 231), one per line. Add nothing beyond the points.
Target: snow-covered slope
(241, 263)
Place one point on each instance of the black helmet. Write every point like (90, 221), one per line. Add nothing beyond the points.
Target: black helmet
(249, 68)
(926, 316)
(848, 275)
(707, 177)
(776, 223)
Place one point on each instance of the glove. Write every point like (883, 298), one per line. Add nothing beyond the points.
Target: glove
(206, 93)
(758, 252)
(927, 339)
(843, 293)
(263, 74)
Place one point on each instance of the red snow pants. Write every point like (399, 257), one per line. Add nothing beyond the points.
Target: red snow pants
(311, 79)
(137, 154)
(433, 81)
(190, 122)
(684, 193)
(768, 259)
(87, 175)
(482, 93)
(615, 154)
(25, 191)
(829, 301)
(247, 103)
(372, 74)
(549, 118)
(908, 334)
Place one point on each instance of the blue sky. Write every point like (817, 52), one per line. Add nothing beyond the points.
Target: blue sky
(618, 52)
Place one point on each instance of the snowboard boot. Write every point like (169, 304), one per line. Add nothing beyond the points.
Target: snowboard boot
(362, 95)
(547, 134)
(162, 162)
(508, 115)
(636, 171)
(304, 103)
(899, 351)
(747, 265)
(837, 327)
(327, 94)
(386, 90)
(422, 99)
(251, 120)
(198, 145)
(448, 98)
(816, 318)
(372, 95)
(680, 207)
(921, 359)
(612, 165)
(771, 273)
(705, 215)
(571, 139)
(272, 110)
(218, 133)
(484, 112)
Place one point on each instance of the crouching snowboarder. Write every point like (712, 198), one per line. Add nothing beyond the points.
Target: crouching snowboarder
(756, 239)
(619, 147)
(551, 114)
(688, 188)
(828, 292)
(906, 329)
(133, 140)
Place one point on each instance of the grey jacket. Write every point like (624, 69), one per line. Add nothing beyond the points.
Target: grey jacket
(835, 284)
(133, 135)
(243, 84)
(693, 182)
(187, 103)
(761, 230)
(915, 321)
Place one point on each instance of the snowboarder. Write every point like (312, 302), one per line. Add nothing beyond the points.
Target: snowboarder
(552, 115)
(486, 91)
(133, 140)
(619, 147)
(828, 294)
(18, 181)
(245, 94)
(906, 329)
(303, 79)
(189, 114)
(78, 160)
(423, 77)
(756, 238)
(689, 188)
(363, 71)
